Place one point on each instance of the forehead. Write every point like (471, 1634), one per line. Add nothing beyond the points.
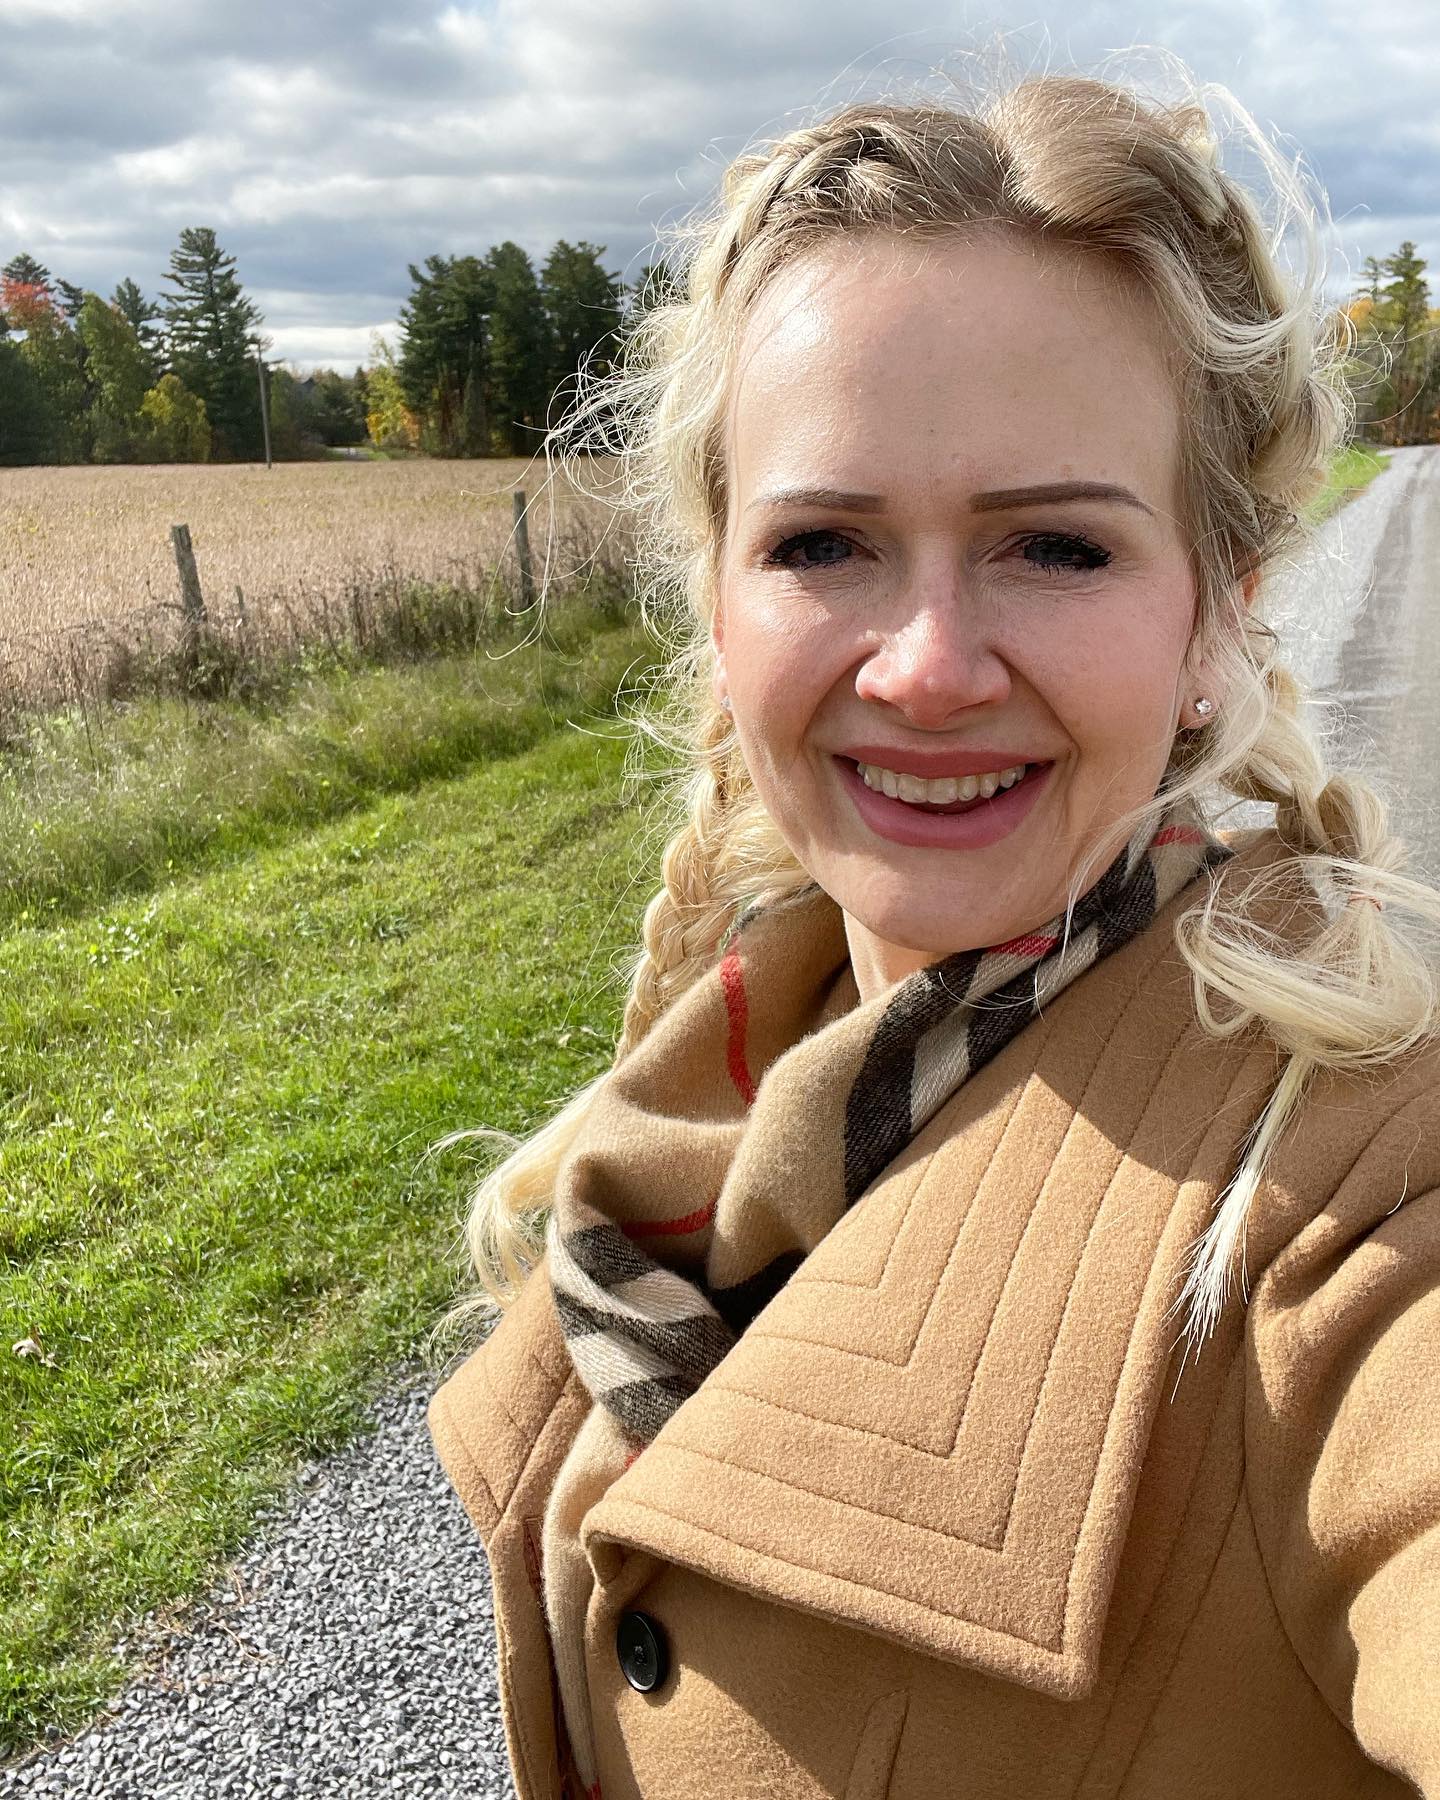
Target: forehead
(972, 365)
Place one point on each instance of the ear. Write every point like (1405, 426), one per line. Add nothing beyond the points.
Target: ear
(1199, 677)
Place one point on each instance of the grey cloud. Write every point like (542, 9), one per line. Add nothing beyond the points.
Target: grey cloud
(333, 143)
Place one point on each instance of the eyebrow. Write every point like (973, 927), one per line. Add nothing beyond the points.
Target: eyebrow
(996, 500)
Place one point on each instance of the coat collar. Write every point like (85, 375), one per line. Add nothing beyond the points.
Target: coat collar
(935, 1430)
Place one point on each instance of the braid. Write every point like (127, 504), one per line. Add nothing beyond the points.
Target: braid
(686, 919)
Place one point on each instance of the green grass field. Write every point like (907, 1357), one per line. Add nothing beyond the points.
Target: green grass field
(219, 1233)
(1353, 469)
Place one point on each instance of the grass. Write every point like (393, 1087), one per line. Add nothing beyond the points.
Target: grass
(1352, 470)
(219, 1236)
(93, 807)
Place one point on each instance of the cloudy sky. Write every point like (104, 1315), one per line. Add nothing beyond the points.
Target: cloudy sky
(331, 142)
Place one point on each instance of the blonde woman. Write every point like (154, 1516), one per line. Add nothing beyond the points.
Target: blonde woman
(981, 1337)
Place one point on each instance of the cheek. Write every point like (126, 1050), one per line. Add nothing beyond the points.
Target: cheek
(781, 655)
(1116, 680)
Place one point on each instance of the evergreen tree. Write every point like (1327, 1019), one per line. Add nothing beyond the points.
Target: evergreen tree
(521, 353)
(444, 340)
(1395, 369)
(120, 375)
(27, 272)
(655, 284)
(143, 316)
(27, 422)
(583, 306)
(72, 298)
(212, 330)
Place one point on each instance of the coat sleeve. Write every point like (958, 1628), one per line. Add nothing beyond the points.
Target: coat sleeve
(501, 1426)
(1343, 1449)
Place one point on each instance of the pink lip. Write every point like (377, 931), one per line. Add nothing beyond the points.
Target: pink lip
(986, 823)
(935, 765)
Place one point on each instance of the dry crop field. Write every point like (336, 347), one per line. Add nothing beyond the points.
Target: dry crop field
(88, 543)
(84, 550)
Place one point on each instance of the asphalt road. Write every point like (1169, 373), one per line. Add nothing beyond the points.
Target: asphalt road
(349, 1651)
(1388, 675)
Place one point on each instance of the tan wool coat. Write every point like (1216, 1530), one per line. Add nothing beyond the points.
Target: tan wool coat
(956, 1517)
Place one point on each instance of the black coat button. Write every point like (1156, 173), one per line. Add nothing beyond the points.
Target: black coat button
(644, 1655)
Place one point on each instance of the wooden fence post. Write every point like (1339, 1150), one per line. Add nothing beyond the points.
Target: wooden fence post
(522, 544)
(192, 600)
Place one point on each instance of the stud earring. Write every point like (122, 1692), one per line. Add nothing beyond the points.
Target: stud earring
(725, 702)
(1204, 707)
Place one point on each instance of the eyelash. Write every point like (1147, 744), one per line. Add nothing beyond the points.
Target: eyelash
(1095, 557)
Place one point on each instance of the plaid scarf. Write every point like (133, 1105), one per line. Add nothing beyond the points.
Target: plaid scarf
(654, 1278)
(720, 1151)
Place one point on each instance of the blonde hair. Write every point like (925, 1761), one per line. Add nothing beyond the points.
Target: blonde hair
(1090, 167)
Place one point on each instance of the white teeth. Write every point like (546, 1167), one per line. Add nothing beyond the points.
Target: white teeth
(939, 793)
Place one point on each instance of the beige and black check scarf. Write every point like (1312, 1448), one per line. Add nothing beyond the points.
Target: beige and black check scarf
(651, 1298)
(730, 1141)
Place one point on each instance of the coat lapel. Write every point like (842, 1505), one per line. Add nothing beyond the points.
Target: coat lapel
(935, 1430)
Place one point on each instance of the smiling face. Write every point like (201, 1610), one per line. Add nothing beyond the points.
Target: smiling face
(917, 610)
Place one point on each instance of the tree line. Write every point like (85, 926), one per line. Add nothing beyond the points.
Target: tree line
(488, 349)
(489, 346)
(1395, 371)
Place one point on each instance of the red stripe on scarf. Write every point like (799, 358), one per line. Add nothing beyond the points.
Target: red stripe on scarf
(1031, 944)
(639, 1228)
(1178, 834)
(738, 1013)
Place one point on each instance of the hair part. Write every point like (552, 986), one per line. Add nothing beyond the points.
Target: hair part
(1090, 167)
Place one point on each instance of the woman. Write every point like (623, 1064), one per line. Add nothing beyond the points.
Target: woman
(841, 1439)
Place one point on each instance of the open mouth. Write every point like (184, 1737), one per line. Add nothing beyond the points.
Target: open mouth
(978, 804)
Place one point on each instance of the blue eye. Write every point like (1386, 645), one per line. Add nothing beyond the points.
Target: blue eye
(1061, 553)
(779, 557)
(1055, 552)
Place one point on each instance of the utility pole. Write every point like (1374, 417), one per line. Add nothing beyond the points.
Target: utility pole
(264, 402)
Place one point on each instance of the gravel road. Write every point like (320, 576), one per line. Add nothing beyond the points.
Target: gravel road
(350, 1650)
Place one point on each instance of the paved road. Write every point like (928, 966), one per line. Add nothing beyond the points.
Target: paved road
(1388, 675)
(350, 1650)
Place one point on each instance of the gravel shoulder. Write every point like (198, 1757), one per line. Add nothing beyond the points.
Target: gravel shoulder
(348, 1650)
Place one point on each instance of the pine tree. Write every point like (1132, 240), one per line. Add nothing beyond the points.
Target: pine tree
(444, 340)
(521, 353)
(25, 270)
(143, 316)
(213, 337)
(583, 306)
(72, 298)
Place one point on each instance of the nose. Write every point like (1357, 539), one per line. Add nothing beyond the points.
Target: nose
(941, 660)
